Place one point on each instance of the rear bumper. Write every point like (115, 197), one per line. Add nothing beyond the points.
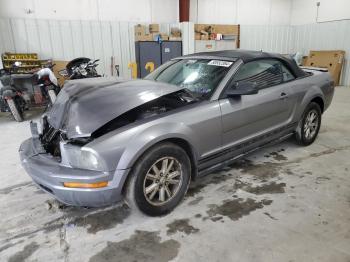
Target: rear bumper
(50, 175)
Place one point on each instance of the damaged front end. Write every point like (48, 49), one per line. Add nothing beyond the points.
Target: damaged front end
(75, 152)
(154, 108)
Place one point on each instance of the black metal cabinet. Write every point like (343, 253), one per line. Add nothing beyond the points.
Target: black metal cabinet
(171, 49)
(158, 53)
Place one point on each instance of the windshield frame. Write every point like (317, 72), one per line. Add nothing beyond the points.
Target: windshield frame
(214, 95)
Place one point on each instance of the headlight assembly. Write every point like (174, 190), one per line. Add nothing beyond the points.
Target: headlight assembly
(84, 158)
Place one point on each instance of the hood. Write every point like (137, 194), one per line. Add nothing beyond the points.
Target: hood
(83, 106)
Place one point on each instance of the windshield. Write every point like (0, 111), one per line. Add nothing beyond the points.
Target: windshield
(200, 76)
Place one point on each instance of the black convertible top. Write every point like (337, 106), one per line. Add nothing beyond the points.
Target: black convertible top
(248, 56)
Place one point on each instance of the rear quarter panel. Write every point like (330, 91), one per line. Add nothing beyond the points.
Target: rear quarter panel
(319, 84)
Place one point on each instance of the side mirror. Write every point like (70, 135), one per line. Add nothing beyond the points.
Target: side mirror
(241, 89)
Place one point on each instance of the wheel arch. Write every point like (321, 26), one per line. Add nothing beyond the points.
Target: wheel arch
(318, 100)
(179, 141)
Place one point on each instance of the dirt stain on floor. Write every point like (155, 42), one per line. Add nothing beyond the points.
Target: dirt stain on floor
(270, 188)
(236, 208)
(276, 155)
(9, 245)
(141, 246)
(270, 216)
(195, 188)
(26, 252)
(102, 220)
(10, 189)
(181, 225)
(94, 219)
(262, 171)
(195, 201)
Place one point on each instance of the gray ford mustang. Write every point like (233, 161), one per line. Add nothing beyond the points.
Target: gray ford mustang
(145, 140)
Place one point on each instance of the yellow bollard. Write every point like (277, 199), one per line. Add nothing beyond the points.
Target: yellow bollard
(149, 66)
(133, 67)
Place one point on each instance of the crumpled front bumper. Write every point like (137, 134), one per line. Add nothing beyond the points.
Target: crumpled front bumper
(49, 174)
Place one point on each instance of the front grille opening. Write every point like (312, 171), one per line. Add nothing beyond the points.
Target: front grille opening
(50, 139)
(45, 188)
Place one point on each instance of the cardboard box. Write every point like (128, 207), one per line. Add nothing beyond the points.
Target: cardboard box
(164, 36)
(204, 37)
(153, 28)
(197, 36)
(331, 59)
(226, 29)
(148, 37)
(140, 32)
(59, 65)
(175, 32)
(174, 38)
(219, 29)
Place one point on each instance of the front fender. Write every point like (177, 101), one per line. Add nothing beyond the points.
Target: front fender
(153, 135)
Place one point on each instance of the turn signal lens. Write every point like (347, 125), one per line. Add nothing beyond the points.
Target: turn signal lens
(85, 185)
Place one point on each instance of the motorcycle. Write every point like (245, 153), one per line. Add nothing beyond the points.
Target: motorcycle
(47, 82)
(81, 67)
(12, 98)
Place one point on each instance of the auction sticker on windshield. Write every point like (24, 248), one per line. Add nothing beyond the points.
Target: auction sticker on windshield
(220, 63)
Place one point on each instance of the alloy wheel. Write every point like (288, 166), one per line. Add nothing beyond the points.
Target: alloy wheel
(162, 181)
(311, 124)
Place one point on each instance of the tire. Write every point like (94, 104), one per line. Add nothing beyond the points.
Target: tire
(165, 191)
(16, 112)
(308, 129)
(52, 96)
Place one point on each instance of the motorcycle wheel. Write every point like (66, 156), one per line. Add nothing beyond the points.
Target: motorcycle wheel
(52, 96)
(16, 112)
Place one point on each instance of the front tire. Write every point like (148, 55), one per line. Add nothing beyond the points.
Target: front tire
(309, 125)
(159, 180)
(15, 110)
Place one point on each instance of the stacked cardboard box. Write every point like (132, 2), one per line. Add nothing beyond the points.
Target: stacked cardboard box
(140, 33)
(211, 31)
(331, 59)
(153, 28)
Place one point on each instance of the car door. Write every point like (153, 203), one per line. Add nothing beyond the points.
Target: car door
(249, 116)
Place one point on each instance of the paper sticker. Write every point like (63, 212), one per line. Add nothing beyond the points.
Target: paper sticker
(191, 61)
(220, 63)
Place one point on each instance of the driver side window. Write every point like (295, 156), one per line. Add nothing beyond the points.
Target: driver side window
(263, 73)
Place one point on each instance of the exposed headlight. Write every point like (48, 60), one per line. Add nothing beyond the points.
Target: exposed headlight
(84, 158)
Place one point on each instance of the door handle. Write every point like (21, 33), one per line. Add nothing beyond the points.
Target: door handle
(283, 96)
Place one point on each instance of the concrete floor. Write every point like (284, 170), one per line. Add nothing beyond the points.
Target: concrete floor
(284, 203)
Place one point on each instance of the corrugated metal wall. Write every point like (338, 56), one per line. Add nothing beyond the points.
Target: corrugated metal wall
(65, 40)
(301, 38)
(271, 38)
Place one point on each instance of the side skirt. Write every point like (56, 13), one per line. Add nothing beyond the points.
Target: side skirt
(224, 163)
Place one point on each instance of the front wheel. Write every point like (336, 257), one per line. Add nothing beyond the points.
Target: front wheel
(309, 125)
(159, 180)
(15, 110)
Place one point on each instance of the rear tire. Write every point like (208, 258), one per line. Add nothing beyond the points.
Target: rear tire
(16, 112)
(309, 125)
(159, 180)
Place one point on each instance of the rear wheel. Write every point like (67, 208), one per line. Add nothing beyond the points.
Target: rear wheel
(15, 110)
(159, 180)
(309, 125)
